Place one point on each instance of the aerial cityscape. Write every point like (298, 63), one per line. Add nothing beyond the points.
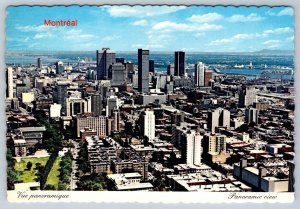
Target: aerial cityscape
(155, 98)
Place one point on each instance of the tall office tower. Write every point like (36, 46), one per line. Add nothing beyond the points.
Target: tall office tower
(113, 102)
(151, 66)
(59, 67)
(76, 106)
(9, 83)
(251, 115)
(218, 118)
(39, 62)
(116, 120)
(143, 70)
(179, 64)
(199, 74)
(61, 95)
(247, 96)
(147, 122)
(96, 103)
(118, 74)
(91, 73)
(208, 75)
(170, 70)
(193, 148)
(105, 59)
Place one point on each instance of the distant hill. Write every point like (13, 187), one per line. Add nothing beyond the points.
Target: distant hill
(274, 52)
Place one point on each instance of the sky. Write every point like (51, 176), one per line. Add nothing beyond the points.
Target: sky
(157, 28)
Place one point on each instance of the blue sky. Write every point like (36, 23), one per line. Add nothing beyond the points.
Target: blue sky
(158, 28)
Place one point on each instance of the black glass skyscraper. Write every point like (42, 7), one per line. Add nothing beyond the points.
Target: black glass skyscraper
(179, 64)
(105, 59)
(151, 66)
(143, 70)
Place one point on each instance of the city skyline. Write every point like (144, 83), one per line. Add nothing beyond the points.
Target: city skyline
(157, 28)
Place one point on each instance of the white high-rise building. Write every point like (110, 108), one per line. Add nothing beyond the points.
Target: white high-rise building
(148, 124)
(199, 74)
(247, 96)
(194, 148)
(9, 83)
(219, 118)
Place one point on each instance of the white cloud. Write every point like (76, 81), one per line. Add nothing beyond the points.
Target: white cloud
(20, 40)
(239, 36)
(287, 11)
(141, 11)
(31, 28)
(147, 46)
(242, 18)
(278, 30)
(272, 44)
(76, 34)
(140, 23)
(209, 17)
(290, 39)
(42, 35)
(110, 38)
(201, 34)
(220, 42)
(168, 26)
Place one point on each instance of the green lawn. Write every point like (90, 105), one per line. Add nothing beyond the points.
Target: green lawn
(25, 175)
(54, 173)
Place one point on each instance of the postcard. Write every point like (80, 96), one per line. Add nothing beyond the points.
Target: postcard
(167, 104)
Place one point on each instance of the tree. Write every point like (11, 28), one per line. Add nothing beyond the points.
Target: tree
(93, 182)
(49, 187)
(29, 165)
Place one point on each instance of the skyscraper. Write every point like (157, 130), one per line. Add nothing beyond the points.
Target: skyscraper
(9, 83)
(208, 75)
(151, 66)
(143, 70)
(119, 75)
(218, 118)
(170, 70)
(194, 148)
(179, 64)
(59, 67)
(147, 122)
(96, 103)
(199, 74)
(251, 115)
(105, 59)
(62, 93)
(39, 62)
(247, 96)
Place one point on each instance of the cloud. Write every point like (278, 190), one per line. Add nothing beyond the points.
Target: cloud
(110, 38)
(19, 40)
(239, 36)
(253, 17)
(278, 30)
(220, 42)
(209, 17)
(168, 26)
(42, 35)
(272, 43)
(287, 11)
(31, 28)
(290, 39)
(147, 46)
(140, 23)
(201, 34)
(76, 34)
(141, 11)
